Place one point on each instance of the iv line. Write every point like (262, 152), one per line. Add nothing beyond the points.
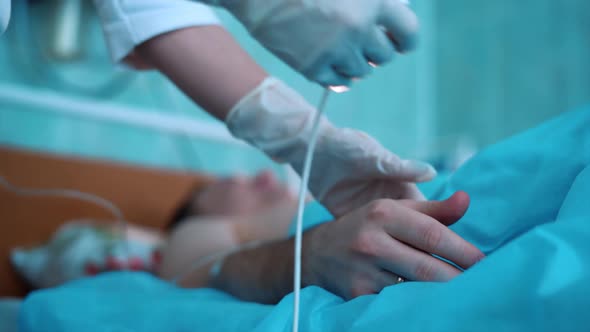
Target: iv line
(301, 208)
(74, 194)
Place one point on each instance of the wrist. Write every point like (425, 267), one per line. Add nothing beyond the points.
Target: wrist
(263, 273)
(307, 253)
(275, 119)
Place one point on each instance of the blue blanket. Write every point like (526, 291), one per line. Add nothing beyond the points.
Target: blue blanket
(530, 213)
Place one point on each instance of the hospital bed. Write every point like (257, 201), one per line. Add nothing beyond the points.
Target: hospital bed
(146, 196)
(529, 214)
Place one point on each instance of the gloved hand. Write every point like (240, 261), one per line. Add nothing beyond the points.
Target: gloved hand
(349, 168)
(328, 41)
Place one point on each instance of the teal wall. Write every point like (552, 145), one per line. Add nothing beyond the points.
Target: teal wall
(484, 70)
(503, 66)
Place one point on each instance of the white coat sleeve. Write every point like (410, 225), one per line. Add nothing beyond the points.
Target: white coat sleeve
(128, 23)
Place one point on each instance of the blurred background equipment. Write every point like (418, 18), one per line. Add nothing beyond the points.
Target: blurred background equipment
(68, 30)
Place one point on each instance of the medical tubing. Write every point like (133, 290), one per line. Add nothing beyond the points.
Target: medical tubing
(301, 208)
(75, 194)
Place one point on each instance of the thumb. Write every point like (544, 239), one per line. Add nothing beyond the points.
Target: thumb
(446, 212)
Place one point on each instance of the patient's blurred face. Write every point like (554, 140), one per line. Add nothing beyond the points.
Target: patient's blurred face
(241, 195)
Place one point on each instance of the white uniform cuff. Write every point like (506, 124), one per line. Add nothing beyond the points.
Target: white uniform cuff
(129, 23)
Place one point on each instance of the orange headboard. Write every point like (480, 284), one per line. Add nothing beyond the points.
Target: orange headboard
(146, 196)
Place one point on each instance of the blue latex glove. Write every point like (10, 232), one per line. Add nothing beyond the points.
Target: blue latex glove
(329, 42)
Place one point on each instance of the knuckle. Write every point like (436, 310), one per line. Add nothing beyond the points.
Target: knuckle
(425, 271)
(464, 255)
(411, 25)
(379, 210)
(431, 237)
(468, 255)
(353, 21)
(408, 27)
(365, 243)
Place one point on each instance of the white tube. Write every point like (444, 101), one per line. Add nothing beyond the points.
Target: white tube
(301, 209)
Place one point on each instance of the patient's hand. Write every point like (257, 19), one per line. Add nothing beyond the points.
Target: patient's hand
(369, 248)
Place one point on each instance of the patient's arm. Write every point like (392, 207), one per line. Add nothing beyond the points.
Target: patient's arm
(263, 274)
(206, 63)
(191, 241)
(196, 239)
(360, 253)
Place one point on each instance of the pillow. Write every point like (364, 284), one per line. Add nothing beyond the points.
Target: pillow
(85, 248)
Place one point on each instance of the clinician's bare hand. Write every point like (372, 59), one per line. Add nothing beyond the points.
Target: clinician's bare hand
(369, 248)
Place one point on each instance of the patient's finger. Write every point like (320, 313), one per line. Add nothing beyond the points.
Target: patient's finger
(447, 211)
(412, 264)
(425, 233)
(386, 278)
